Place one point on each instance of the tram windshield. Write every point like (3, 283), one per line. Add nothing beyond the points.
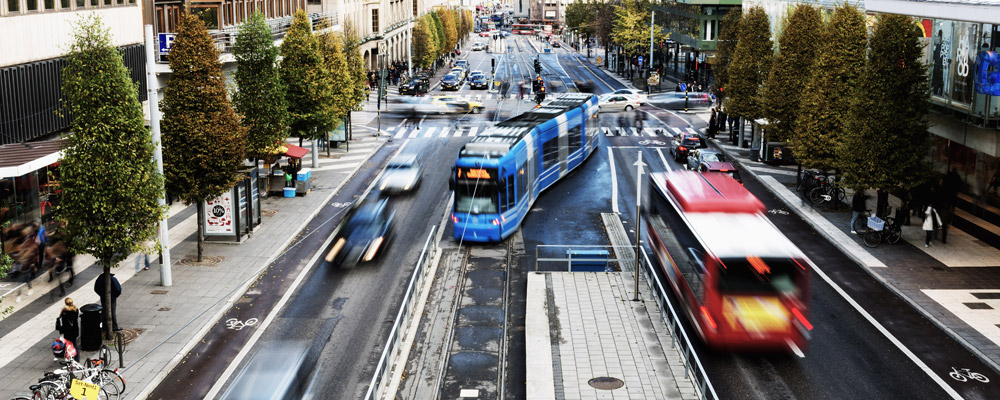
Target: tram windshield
(476, 196)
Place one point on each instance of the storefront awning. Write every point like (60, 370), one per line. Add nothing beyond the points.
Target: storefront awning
(295, 151)
(21, 158)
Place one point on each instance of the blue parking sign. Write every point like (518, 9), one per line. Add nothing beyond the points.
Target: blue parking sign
(166, 41)
(640, 61)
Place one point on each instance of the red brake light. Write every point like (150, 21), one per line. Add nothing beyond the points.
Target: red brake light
(802, 318)
(682, 148)
(454, 218)
(708, 318)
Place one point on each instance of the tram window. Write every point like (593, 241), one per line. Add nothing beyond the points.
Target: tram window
(511, 195)
(574, 137)
(680, 242)
(522, 182)
(502, 190)
(550, 153)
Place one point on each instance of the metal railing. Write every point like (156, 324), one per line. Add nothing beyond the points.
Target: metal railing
(569, 259)
(385, 366)
(692, 364)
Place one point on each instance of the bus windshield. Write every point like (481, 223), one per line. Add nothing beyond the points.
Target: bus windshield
(476, 196)
(760, 276)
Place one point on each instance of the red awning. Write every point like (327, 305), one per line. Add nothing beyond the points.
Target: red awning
(295, 151)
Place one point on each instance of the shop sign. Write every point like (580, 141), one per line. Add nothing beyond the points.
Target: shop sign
(219, 215)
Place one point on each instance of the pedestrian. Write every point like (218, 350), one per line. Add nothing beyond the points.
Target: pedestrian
(857, 207)
(946, 214)
(712, 123)
(116, 290)
(142, 258)
(951, 185)
(931, 223)
(68, 324)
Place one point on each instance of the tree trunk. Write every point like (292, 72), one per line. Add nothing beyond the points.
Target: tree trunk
(201, 226)
(106, 312)
(300, 140)
(882, 204)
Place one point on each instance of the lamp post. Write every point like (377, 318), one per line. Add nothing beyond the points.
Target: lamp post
(152, 87)
(638, 200)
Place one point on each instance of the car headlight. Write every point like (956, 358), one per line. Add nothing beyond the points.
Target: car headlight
(336, 249)
(373, 249)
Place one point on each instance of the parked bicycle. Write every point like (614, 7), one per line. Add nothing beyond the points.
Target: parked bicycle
(827, 191)
(874, 230)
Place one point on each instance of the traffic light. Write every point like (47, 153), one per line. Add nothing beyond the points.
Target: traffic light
(493, 65)
(535, 85)
(538, 67)
(540, 95)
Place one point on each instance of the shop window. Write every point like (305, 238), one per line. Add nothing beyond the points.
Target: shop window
(95, 3)
(121, 2)
(416, 12)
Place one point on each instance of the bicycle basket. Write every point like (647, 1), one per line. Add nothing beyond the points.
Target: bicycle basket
(875, 223)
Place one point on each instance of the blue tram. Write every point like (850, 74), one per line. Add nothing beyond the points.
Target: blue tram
(501, 171)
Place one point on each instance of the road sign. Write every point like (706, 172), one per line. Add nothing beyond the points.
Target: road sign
(684, 87)
(599, 60)
(640, 61)
(166, 41)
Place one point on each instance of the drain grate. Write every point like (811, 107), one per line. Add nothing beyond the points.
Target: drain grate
(605, 383)
(206, 261)
(159, 291)
(164, 309)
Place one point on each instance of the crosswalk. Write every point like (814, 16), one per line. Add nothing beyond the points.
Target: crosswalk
(414, 129)
(480, 96)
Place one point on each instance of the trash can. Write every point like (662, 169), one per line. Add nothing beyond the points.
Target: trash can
(90, 327)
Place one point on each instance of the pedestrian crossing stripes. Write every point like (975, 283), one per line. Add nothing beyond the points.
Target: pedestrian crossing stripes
(465, 96)
(414, 131)
(633, 131)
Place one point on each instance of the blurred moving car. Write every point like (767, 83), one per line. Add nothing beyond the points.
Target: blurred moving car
(459, 72)
(276, 371)
(675, 100)
(462, 63)
(638, 94)
(451, 82)
(484, 34)
(479, 82)
(684, 143)
(455, 104)
(617, 102)
(696, 158)
(556, 44)
(417, 105)
(478, 46)
(363, 235)
(402, 175)
(584, 86)
(723, 168)
(416, 86)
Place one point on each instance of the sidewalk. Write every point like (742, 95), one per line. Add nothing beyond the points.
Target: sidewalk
(162, 323)
(955, 285)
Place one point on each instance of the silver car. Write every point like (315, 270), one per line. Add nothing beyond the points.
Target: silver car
(401, 175)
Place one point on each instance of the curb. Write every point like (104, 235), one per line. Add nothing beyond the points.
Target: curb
(238, 293)
(926, 313)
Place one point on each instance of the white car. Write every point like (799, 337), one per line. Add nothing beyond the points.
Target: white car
(478, 46)
(618, 102)
(638, 94)
(401, 175)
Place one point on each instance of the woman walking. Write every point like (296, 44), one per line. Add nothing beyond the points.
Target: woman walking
(68, 324)
(931, 223)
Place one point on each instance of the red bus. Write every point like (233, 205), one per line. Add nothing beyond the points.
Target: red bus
(743, 284)
(522, 29)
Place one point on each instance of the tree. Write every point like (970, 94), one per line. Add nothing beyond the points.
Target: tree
(750, 65)
(355, 64)
(450, 29)
(729, 34)
(797, 48)
(887, 136)
(260, 96)
(309, 90)
(605, 23)
(833, 84)
(631, 27)
(581, 17)
(424, 44)
(442, 41)
(342, 80)
(110, 184)
(204, 144)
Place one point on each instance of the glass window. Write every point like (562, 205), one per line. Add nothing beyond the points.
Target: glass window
(13, 5)
(120, 2)
(32, 5)
(64, 4)
(550, 153)
(95, 3)
(375, 21)
(50, 4)
(756, 275)
(208, 14)
(107, 2)
(573, 136)
(476, 196)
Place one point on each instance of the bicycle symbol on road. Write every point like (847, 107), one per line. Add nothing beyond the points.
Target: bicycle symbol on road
(651, 142)
(963, 375)
(340, 205)
(777, 211)
(238, 325)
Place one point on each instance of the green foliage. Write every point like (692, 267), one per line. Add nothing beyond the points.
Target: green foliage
(782, 93)
(581, 16)
(342, 80)
(833, 83)
(887, 136)
(355, 64)
(204, 144)
(5, 264)
(750, 65)
(450, 29)
(260, 97)
(729, 34)
(467, 23)
(603, 29)
(424, 43)
(442, 41)
(631, 27)
(110, 184)
(309, 87)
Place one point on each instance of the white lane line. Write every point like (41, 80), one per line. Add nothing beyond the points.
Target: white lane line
(614, 182)
(635, 132)
(663, 159)
(676, 130)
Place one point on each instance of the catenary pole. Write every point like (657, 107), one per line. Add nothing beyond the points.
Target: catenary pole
(153, 95)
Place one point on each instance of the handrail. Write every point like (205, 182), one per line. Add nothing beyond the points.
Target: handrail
(701, 377)
(382, 370)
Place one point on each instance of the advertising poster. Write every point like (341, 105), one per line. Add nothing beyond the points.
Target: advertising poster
(941, 58)
(219, 215)
(965, 38)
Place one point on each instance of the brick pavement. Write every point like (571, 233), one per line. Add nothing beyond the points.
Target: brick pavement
(169, 320)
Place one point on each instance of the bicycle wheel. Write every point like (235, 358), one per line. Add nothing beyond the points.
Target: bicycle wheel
(841, 196)
(109, 377)
(816, 195)
(49, 391)
(872, 238)
(861, 224)
(893, 233)
(105, 356)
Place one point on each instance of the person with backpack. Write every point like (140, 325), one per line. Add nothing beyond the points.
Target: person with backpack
(931, 223)
(116, 290)
(68, 325)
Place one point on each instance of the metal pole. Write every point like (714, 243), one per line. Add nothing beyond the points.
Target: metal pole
(638, 199)
(152, 93)
(652, 17)
(409, 49)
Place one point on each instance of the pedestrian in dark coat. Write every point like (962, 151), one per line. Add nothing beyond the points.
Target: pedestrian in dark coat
(116, 290)
(68, 324)
(857, 207)
(945, 212)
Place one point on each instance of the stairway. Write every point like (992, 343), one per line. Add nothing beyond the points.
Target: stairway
(982, 221)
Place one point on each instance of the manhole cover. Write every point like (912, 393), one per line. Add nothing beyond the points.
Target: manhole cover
(130, 334)
(605, 383)
(206, 261)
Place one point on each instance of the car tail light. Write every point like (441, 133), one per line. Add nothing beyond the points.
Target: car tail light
(801, 318)
(682, 148)
(373, 249)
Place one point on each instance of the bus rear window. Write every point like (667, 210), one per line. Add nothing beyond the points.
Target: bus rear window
(757, 275)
